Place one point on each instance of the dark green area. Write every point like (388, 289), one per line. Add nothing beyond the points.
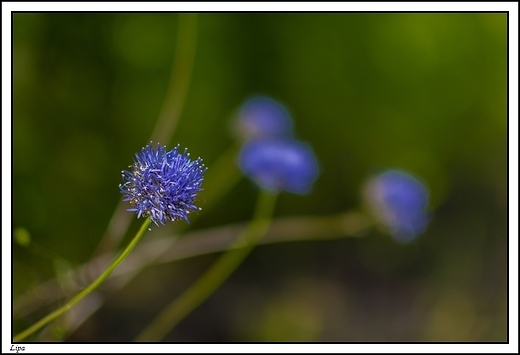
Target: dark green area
(421, 92)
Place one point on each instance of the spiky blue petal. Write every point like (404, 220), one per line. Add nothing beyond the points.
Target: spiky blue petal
(163, 185)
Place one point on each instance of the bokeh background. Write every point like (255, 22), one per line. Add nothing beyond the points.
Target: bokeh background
(421, 92)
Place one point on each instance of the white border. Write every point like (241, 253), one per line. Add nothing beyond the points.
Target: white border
(258, 6)
(513, 176)
(57, 348)
(512, 7)
(6, 178)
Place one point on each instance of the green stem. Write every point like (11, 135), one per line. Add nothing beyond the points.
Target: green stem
(221, 176)
(216, 275)
(180, 77)
(52, 316)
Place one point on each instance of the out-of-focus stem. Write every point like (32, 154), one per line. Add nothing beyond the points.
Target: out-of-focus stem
(169, 248)
(220, 178)
(62, 310)
(215, 276)
(179, 80)
(180, 77)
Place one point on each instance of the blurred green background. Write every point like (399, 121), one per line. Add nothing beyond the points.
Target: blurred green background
(421, 92)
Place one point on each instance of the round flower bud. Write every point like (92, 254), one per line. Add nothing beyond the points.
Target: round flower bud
(279, 164)
(398, 201)
(263, 117)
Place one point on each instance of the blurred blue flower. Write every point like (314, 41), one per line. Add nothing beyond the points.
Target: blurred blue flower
(263, 117)
(399, 201)
(279, 164)
(163, 184)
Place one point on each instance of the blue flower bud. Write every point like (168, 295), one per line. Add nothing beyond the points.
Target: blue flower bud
(163, 184)
(399, 201)
(279, 164)
(263, 117)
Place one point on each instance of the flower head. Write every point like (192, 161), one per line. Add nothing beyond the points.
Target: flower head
(163, 184)
(279, 164)
(263, 117)
(399, 201)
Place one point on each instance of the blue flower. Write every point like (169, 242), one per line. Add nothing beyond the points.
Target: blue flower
(263, 117)
(279, 164)
(163, 185)
(399, 201)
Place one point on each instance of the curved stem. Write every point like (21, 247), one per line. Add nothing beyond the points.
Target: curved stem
(62, 310)
(168, 118)
(179, 80)
(221, 177)
(216, 275)
(170, 248)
